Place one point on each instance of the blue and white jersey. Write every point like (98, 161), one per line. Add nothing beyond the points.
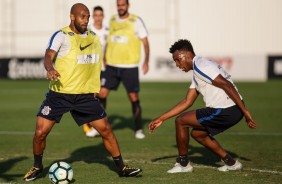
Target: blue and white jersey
(204, 72)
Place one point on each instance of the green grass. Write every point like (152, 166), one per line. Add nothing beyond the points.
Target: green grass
(259, 150)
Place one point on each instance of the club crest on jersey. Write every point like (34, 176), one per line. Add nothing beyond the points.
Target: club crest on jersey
(46, 110)
(71, 33)
(92, 33)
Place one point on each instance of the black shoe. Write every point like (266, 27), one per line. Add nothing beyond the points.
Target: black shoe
(129, 172)
(32, 174)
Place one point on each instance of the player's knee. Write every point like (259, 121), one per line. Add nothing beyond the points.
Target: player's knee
(39, 135)
(106, 131)
(178, 121)
(103, 93)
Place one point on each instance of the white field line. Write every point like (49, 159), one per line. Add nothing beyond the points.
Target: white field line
(227, 133)
(208, 167)
(171, 164)
(265, 171)
(21, 133)
(163, 163)
(255, 133)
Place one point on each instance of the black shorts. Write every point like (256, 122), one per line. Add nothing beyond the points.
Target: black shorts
(84, 108)
(128, 76)
(218, 120)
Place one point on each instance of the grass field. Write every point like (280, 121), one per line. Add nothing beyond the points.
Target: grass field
(259, 150)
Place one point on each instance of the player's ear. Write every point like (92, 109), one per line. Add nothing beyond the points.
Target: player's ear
(188, 55)
(72, 17)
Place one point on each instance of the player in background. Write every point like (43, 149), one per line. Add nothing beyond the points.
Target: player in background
(102, 31)
(224, 108)
(127, 34)
(75, 82)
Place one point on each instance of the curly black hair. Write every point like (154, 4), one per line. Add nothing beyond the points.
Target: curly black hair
(182, 44)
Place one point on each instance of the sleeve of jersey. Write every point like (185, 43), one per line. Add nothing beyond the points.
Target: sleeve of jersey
(56, 41)
(207, 72)
(140, 28)
(193, 85)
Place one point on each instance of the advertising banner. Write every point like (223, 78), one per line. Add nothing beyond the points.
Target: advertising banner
(275, 67)
(241, 68)
(22, 68)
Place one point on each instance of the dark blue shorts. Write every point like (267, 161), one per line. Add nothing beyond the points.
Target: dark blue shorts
(128, 76)
(84, 108)
(218, 120)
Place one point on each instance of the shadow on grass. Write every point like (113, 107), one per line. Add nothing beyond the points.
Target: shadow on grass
(202, 156)
(96, 154)
(7, 165)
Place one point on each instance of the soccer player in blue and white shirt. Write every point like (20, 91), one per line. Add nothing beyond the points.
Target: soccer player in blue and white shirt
(224, 108)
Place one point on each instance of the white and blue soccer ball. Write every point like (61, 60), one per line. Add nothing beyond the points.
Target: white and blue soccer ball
(60, 173)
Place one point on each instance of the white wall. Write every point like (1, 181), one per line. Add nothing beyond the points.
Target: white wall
(233, 26)
(217, 28)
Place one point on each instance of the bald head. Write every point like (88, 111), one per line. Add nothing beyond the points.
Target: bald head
(77, 8)
(79, 16)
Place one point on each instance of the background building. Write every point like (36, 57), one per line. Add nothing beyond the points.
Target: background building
(244, 36)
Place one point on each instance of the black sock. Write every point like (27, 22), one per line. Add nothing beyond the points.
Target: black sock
(38, 161)
(119, 162)
(183, 160)
(228, 160)
(136, 110)
(103, 102)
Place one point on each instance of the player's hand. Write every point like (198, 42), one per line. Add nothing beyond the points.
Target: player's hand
(52, 74)
(154, 124)
(251, 123)
(145, 68)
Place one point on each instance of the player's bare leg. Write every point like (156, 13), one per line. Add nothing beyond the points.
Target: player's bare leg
(209, 142)
(103, 94)
(111, 144)
(189, 119)
(43, 128)
(182, 124)
(212, 144)
(109, 139)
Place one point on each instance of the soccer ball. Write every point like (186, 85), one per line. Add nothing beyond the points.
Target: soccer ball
(60, 173)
